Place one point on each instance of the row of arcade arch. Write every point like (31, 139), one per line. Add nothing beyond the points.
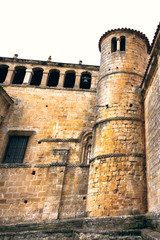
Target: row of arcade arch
(52, 79)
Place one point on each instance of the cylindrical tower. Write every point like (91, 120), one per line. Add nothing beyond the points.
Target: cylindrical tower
(117, 168)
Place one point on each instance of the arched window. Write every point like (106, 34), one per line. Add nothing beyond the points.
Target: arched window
(53, 78)
(85, 82)
(69, 80)
(3, 72)
(19, 75)
(114, 44)
(86, 148)
(122, 43)
(36, 77)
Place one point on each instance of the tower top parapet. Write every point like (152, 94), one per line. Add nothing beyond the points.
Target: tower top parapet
(127, 30)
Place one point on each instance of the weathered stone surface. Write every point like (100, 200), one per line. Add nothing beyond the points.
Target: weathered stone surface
(88, 153)
(117, 184)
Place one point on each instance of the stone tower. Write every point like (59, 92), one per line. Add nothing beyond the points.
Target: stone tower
(117, 177)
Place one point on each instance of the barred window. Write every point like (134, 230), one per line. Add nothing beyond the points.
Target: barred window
(16, 149)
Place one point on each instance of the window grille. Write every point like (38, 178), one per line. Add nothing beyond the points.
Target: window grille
(16, 149)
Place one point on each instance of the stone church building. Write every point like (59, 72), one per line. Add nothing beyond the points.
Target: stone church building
(80, 144)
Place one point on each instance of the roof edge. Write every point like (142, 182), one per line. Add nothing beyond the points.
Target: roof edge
(153, 55)
(6, 96)
(46, 63)
(128, 30)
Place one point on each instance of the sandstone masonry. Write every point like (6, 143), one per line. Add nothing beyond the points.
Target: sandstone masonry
(79, 144)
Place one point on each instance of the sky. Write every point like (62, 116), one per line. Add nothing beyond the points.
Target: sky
(69, 30)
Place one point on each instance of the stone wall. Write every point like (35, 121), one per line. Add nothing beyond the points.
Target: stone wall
(152, 130)
(52, 181)
(5, 102)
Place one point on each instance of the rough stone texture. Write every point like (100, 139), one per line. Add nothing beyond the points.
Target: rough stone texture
(5, 102)
(42, 192)
(86, 228)
(74, 194)
(86, 149)
(55, 121)
(117, 172)
(148, 234)
(152, 127)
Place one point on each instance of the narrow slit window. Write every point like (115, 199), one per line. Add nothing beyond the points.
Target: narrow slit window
(114, 45)
(36, 77)
(3, 73)
(69, 80)
(19, 75)
(122, 43)
(16, 149)
(85, 81)
(53, 78)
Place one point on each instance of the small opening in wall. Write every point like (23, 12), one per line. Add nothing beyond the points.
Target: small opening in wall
(69, 79)
(114, 45)
(85, 82)
(131, 85)
(109, 69)
(107, 106)
(3, 73)
(34, 172)
(84, 198)
(116, 67)
(53, 78)
(36, 77)
(134, 68)
(25, 201)
(19, 75)
(131, 105)
(46, 105)
(39, 142)
(122, 43)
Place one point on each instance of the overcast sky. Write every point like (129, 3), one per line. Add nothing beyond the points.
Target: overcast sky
(69, 30)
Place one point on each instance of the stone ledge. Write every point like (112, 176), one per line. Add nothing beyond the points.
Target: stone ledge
(117, 119)
(88, 224)
(153, 220)
(119, 72)
(148, 234)
(117, 155)
(56, 164)
(91, 90)
(124, 227)
(73, 234)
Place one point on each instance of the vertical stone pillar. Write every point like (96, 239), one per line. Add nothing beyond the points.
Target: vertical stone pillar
(27, 77)
(94, 80)
(61, 79)
(44, 79)
(118, 44)
(9, 76)
(77, 81)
